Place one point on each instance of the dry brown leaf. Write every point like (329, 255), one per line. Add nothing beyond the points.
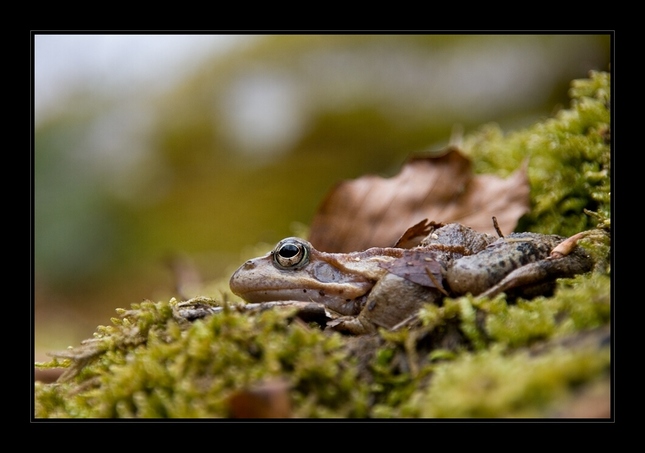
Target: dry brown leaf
(371, 211)
(415, 234)
(264, 400)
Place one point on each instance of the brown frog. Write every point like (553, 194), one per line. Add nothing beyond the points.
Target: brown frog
(386, 286)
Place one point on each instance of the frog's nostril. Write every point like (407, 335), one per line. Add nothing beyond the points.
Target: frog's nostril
(249, 265)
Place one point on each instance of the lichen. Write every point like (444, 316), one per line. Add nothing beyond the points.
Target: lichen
(469, 357)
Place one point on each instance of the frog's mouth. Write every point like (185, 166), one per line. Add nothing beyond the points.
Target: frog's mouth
(326, 295)
(348, 306)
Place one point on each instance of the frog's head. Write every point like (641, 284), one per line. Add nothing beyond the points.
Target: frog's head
(294, 270)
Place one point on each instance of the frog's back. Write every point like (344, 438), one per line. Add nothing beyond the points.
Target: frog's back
(459, 239)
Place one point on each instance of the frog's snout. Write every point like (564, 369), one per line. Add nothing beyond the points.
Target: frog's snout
(237, 282)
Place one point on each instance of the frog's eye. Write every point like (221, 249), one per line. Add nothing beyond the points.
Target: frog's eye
(291, 253)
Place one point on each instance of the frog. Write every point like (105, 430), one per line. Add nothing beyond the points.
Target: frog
(385, 287)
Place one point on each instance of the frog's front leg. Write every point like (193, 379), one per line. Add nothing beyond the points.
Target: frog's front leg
(392, 301)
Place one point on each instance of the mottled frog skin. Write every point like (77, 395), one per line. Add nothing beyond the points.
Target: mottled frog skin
(384, 286)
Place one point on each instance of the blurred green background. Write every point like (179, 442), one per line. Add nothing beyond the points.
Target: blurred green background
(152, 147)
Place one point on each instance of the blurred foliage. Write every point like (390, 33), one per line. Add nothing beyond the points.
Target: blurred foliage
(470, 357)
(243, 150)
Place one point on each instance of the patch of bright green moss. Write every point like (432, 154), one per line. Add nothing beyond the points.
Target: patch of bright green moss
(186, 370)
(584, 303)
(492, 383)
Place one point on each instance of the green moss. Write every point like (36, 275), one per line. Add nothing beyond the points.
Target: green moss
(469, 357)
(191, 369)
(494, 384)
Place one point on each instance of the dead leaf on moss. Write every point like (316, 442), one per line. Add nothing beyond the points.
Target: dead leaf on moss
(264, 400)
(372, 211)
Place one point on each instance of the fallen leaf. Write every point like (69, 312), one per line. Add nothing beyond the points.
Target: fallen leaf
(415, 234)
(264, 400)
(372, 211)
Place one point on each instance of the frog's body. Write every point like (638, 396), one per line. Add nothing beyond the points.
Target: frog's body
(385, 286)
